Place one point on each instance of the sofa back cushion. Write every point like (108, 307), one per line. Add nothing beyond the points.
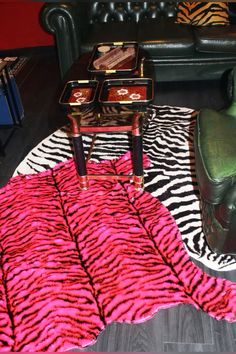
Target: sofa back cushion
(129, 11)
(198, 13)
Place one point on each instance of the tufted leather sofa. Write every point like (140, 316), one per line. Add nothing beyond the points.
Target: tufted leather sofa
(174, 52)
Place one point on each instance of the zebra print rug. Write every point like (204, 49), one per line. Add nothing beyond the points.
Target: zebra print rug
(168, 141)
(73, 261)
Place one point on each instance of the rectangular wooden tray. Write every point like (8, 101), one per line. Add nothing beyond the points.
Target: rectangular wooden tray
(131, 92)
(79, 93)
(126, 68)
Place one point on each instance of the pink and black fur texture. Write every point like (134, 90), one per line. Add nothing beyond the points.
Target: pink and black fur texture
(74, 261)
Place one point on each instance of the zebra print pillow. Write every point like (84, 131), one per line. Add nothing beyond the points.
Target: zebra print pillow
(203, 13)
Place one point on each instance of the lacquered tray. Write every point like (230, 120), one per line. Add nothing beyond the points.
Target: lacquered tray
(109, 55)
(132, 92)
(79, 93)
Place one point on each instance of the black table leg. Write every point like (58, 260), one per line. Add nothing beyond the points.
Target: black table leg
(80, 161)
(137, 141)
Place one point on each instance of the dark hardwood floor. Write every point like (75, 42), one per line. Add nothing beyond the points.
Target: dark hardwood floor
(39, 86)
(178, 329)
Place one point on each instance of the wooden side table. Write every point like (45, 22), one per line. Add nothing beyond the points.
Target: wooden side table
(130, 121)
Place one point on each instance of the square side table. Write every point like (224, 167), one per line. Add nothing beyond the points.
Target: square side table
(130, 121)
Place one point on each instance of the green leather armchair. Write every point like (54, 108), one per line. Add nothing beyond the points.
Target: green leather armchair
(215, 156)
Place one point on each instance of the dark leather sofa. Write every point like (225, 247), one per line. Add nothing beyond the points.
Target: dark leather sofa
(174, 52)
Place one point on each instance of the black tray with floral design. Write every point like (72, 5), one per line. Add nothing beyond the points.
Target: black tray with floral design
(79, 93)
(131, 92)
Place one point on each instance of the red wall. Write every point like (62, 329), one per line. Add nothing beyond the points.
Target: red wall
(20, 26)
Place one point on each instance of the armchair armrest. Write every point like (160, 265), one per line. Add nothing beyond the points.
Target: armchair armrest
(60, 20)
(231, 110)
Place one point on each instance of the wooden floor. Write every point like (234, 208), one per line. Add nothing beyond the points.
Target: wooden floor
(181, 328)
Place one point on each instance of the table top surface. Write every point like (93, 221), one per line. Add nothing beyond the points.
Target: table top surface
(79, 69)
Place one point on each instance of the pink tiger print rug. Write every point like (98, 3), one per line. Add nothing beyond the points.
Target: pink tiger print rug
(74, 261)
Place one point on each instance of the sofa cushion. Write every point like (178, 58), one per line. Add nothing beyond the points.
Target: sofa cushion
(165, 38)
(215, 39)
(108, 32)
(203, 13)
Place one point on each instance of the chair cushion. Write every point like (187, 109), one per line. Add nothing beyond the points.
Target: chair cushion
(198, 13)
(164, 38)
(215, 154)
(215, 39)
(108, 32)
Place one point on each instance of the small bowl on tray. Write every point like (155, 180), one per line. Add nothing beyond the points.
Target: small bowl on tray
(133, 92)
(114, 58)
(79, 94)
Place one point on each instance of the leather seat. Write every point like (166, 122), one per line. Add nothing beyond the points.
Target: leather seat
(215, 160)
(171, 41)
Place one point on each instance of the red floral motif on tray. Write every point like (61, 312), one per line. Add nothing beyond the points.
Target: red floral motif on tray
(127, 93)
(80, 95)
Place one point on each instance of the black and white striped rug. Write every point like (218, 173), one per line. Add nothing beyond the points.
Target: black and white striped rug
(168, 141)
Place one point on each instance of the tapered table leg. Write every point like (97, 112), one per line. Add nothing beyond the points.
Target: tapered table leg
(78, 151)
(80, 161)
(137, 142)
